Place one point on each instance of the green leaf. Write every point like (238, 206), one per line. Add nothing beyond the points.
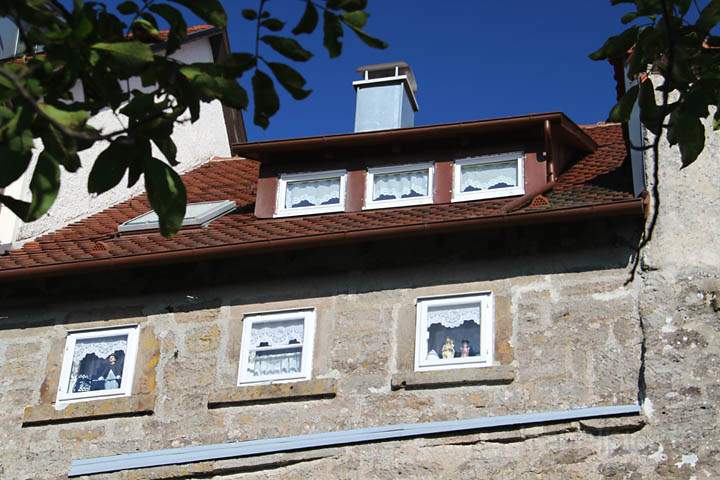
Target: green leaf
(167, 195)
(249, 14)
(128, 8)
(332, 33)
(168, 149)
(621, 111)
(716, 118)
(368, 40)
(617, 45)
(687, 131)
(62, 149)
(266, 99)
(145, 31)
(709, 17)
(110, 166)
(16, 155)
(211, 85)
(210, 11)
(352, 5)
(650, 114)
(290, 79)
(130, 55)
(287, 47)
(683, 6)
(178, 26)
(273, 24)
(74, 120)
(628, 17)
(18, 207)
(44, 186)
(357, 18)
(309, 20)
(238, 63)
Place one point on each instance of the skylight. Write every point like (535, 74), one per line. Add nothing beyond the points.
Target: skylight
(196, 214)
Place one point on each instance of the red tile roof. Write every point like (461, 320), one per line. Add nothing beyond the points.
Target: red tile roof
(590, 184)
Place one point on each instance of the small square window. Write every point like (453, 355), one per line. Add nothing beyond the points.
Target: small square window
(454, 332)
(307, 193)
(98, 364)
(491, 176)
(277, 347)
(398, 186)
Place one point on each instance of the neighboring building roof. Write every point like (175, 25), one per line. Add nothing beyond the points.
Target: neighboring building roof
(595, 185)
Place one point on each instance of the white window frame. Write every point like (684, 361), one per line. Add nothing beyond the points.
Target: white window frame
(400, 202)
(128, 376)
(285, 178)
(308, 316)
(487, 331)
(459, 196)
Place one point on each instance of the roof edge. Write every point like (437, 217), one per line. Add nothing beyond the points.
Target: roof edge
(623, 208)
(260, 150)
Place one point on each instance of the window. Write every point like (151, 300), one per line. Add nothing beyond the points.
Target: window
(490, 176)
(277, 347)
(195, 214)
(305, 193)
(399, 185)
(98, 364)
(454, 332)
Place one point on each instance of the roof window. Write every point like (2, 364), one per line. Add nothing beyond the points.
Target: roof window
(199, 213)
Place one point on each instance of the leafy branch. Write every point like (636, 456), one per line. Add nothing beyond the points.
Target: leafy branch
(90, 49)
(684, 54)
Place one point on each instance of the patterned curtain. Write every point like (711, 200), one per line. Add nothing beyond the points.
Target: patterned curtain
(393, 186)
(487, 176)
(313, 193)
(276, 334)
(452, 316)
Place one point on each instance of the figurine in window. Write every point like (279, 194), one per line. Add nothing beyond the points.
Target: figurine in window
(109, 375)
(465, 350)
(448, 350)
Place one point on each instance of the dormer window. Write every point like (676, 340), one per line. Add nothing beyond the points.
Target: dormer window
(398, 186)
(307, 193)
(196, 214)
(490, 176)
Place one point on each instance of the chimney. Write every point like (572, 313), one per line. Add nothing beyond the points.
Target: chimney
(385, 97)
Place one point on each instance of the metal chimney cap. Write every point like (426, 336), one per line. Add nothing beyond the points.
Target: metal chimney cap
(389, 69)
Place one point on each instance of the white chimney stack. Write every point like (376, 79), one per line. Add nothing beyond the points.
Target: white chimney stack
(385, 97)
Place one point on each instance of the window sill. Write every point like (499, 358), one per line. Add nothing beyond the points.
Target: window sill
(135, 405)
(315, 389)
(496, 375)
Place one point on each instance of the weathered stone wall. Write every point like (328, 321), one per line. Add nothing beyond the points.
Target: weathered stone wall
(574, 341)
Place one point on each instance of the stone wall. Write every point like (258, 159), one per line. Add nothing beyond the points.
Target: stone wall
(572, 329)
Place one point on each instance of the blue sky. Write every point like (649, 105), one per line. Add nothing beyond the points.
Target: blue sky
(472, 59)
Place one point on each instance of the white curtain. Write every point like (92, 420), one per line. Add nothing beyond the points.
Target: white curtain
(276, 334)
(312, 193)
(452, 316)
(275, 363)
(488, 175)
(393, 186)
(102, 347)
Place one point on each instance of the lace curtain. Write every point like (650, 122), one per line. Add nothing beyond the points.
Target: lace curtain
(312, 193)
(452, 316)
(275, 363)
(275, 334)
(488, 175)
(392, 186)
(102, 347)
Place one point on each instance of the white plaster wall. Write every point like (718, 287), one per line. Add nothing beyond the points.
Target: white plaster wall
(196, 143)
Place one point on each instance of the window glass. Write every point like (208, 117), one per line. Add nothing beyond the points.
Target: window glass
(97, 364)
(275, 348)
(312, 193)
(396, 186)
(488, 176)
(453, 331)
